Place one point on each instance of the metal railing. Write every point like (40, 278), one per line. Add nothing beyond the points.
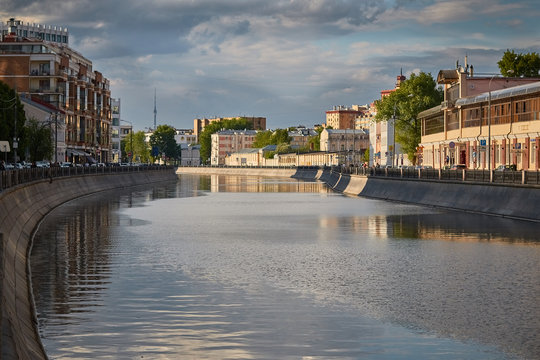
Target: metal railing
(10, 178)
(530, 178)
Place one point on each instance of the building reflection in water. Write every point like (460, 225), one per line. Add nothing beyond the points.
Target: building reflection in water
(452, 226)
(71, 261)
(258, 184)
(72, 251)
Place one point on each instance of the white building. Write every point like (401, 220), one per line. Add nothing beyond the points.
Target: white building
(49, 116)
(116, 152)
(381, 146)
(185, 137)
(190, 155)
(52, 34)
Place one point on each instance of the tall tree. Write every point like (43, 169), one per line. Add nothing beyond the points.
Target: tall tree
(39, 140)
(268, 137)
(418, 93)
(11, 107)
(205, 138)
(163, 139)
(138, 146)
(519, 65)
(262, 139)
(314, 142)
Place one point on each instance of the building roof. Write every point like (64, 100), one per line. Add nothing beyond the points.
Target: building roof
(501, 94)
(432, 111)
(447, 76)
(345, 131)
(240, 132)
(247, 151)
(270, 148)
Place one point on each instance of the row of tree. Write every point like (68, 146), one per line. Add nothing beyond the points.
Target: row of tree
(162, 145)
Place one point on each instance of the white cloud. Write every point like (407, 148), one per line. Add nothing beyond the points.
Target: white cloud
(144, 59)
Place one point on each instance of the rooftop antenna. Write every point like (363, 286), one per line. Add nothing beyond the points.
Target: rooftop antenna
(155, 110)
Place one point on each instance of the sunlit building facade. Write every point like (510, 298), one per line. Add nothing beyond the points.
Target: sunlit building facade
(483, 122)
(53, 74)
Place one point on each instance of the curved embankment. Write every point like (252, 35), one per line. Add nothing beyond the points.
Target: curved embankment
(21, 209)
(507, 200)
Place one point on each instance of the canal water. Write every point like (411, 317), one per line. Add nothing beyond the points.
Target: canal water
(215, 267)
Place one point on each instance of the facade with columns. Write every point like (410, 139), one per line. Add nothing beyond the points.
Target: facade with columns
(483, 123)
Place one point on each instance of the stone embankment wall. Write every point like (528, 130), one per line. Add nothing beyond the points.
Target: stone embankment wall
(514, 201)
(21, 210)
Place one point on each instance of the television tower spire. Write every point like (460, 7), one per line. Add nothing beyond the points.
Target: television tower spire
(155, 110)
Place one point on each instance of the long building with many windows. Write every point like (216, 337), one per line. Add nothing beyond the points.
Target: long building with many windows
(51, 73)
(483, 123)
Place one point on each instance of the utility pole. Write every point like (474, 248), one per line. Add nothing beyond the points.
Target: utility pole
(155, 110)
(15, 140)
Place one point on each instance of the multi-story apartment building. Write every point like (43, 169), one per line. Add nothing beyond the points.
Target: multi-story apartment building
(258, 123)
(343, 117)
(364, 120)
(185, 136)
(50, 72)
(483, 122)
(116, 150)
(229, 141)
(53, 34)
(300, 137)
(351, 144)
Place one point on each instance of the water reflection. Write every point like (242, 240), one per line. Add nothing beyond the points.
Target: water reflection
(439, 226)
(252, 184)
(247, 267)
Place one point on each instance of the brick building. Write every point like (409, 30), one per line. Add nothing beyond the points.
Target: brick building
(43, 68)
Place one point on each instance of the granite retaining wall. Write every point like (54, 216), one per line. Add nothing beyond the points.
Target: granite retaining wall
(21, 210)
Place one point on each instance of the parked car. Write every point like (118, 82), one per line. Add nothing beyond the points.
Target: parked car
(66, 164)
(506, 168)
(43, 164)
(9, 166)
(458, 167)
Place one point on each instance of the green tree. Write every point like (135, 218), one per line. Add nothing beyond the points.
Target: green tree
(39, 140)
(281, 136)
(365, 156)
(262, 139)
(418, 93)
(314, 142)
(137, 146)
(163, 139)
(519, 65)
(11, 108)
(268, 137)
(205, 137)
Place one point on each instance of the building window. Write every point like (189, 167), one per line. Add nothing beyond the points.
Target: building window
(433, 125)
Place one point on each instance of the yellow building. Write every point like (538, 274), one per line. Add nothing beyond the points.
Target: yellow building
(483, 123)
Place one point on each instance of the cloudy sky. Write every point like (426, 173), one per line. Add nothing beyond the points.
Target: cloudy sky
(287, 60)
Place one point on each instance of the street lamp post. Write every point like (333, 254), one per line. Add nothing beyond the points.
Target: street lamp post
(394, 136)
(55, 116)
(489, 125)
(130, 140)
